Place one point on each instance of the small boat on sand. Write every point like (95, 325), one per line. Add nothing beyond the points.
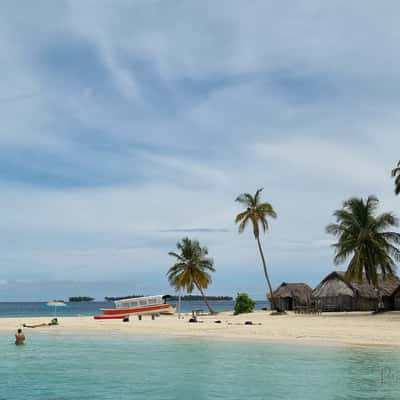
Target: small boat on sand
(139, 306)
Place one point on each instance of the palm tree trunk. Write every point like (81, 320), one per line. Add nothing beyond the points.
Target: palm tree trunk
(267, 276)
(204, 298)
(380, 305)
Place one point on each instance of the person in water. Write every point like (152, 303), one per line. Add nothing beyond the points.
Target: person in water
(54, 321)
(19, 337)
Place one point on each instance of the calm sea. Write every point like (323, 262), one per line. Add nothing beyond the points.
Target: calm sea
(57, 367)
(31, 309)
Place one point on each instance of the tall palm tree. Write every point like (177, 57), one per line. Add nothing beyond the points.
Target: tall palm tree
(396, 176)
(363, 236)
(256, 214)
(192, 268)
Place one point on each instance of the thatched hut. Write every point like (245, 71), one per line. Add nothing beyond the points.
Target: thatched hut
(290, 296)
(335, 293)
(367, 297)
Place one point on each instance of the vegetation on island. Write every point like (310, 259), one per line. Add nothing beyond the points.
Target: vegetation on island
(191, 297)
(187, 297)
(129, 296)
(80, 298)
(192, 269)
(243, 304)
(256, 214)
(396, 176)
(367, 239)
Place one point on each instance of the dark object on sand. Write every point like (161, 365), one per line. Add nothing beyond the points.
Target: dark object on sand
(218, 321)
(248, 323)
(126, 319)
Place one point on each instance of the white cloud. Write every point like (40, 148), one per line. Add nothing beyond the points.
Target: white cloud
(194, 108)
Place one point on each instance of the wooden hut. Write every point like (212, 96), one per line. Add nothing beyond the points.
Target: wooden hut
(367, 297)
(290, 296)
(335, 293)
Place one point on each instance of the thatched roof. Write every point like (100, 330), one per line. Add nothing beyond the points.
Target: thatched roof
(335, 284)
(299, 291)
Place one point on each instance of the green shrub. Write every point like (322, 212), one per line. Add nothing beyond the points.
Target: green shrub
(243, 304)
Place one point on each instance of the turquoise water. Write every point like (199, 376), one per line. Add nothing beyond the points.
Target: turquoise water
(82, 367)
(39, 309)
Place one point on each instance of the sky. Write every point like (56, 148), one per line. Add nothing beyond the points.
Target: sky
(128, 125)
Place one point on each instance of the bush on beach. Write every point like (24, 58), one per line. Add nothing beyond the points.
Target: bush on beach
(243, 304)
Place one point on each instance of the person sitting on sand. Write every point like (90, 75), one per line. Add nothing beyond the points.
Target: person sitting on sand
(54, 321)
(19, 337)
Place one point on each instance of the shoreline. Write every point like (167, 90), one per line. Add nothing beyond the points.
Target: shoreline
(358, 329)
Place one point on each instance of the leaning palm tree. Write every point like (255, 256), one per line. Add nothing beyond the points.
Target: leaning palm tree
(396, 176)
(256, 214)
(365, 238)
(192, 268)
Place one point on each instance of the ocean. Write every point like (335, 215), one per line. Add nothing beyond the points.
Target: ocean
(39, 309)
(69, 367)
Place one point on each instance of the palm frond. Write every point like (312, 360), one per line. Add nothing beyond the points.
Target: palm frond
(193, 268)
(256, 213)
(257, 196)
(396, 176)
(362, 237)
(245, 199)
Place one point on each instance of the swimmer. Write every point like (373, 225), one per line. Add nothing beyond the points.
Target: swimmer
(19, 337)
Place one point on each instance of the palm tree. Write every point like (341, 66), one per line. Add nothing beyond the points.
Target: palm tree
(363, 236)
(256, 214)
(192, 269)
(396, 176)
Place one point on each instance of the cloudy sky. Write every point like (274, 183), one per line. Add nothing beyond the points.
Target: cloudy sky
(127, 125)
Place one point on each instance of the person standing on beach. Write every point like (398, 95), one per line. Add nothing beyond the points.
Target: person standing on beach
(19, 337)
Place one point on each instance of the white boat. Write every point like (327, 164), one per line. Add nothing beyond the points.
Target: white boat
(140, 306)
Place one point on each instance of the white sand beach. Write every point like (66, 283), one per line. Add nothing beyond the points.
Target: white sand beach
(356, 329)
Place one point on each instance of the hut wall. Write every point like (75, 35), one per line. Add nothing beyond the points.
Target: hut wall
(365, 304)
(335, 303)
(388, 302)
(285, 303)
(397, 301)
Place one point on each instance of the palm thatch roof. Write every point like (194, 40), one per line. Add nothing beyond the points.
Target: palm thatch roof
(335, 284)
(299, 291)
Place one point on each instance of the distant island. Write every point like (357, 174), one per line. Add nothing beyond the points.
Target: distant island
(188, 297)
(131, 296)
(80, 298)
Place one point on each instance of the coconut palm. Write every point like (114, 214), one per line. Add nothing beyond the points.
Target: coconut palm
(256, 214)
(396, 176)
(364, 237)
(192, 269)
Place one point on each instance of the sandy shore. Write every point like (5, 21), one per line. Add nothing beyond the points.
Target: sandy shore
(356, 329)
